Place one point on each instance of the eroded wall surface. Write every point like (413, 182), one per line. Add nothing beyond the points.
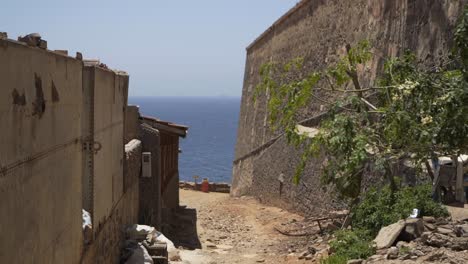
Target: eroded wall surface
(318, 31)
(109, 94)
(40, 156)
(132, 123)
(107, 243)
(61, 150)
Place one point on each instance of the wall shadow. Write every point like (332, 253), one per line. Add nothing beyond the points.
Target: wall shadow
(182, 229)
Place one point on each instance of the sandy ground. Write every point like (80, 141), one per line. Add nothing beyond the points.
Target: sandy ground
(235, 230)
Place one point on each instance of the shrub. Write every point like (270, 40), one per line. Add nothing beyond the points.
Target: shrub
(350, 244)
(419, 197)
(334, 259)
(380, 208)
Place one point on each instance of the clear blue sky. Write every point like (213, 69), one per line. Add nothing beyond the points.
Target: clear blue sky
(169, 48)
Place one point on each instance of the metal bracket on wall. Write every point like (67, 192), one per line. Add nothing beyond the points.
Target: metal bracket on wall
(93, 146)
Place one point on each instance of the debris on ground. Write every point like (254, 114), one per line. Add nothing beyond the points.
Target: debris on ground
(87, 227)
(146, 245)
(423, 240)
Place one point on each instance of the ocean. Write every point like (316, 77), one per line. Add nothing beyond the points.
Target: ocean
(208, 149)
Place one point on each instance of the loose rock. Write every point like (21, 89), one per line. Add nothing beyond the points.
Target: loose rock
(392, 253)
(388, 234)
(429, 219)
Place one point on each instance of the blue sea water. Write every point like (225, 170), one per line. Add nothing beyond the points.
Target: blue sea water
(208, 149)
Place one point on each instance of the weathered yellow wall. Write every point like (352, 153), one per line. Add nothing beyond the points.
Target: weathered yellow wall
(109, 105)
(40, 156)
(132, 123)
(107, 242)
(50, 105)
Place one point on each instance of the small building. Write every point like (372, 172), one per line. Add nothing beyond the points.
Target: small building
(160, 192)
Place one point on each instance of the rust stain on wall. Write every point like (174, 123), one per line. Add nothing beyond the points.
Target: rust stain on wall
(18, 99)
(39, 103)
(55, 94)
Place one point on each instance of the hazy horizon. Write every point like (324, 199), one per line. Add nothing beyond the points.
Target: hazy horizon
(168, 48)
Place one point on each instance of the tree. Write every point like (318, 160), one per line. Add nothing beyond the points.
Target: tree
(415, 113)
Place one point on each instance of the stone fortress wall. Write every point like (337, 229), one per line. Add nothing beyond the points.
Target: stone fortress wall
(318, 31)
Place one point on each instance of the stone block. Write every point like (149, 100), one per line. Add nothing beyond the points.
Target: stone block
(388, 234)
(444, 231)
(159, 260)
(392, 253)
(63, 52)
(156, 249)
(429, 219)
(430, 227)
(42, 44)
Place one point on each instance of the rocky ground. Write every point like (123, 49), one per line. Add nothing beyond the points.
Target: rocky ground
(239, 230)
(426, 240)
(215, 228)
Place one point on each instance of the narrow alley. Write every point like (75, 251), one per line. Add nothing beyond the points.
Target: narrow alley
(236, 230)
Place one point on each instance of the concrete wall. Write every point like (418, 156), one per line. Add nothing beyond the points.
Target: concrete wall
(132, 123)
(109, 94)
(62, 149)
(40, 156)
(318, 31)
(106, 246)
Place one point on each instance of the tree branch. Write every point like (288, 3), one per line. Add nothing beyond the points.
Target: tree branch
(353, 73)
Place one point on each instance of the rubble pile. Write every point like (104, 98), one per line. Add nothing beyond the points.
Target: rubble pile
(414, 240)
(146, 245)
(33, 40)
(422, 240)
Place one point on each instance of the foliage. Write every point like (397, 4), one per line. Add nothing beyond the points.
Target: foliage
(380, 208)
(350, 244)
(426, 113)
(461, 40)
(353, 244)
(420, 113)
(334, 259)
(286, 97)
(404, 250)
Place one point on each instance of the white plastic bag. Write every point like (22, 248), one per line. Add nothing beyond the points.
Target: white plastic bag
(139, 232)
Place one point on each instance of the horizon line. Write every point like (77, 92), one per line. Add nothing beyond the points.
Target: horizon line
(199, 96)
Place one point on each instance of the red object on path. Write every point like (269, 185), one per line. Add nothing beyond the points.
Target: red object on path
(205, 186)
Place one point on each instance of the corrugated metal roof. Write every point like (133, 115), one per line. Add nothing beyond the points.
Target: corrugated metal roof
(167, 126)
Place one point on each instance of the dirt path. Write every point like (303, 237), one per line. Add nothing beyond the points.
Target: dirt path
(237, 230)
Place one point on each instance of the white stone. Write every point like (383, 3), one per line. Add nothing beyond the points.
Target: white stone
(306, 131)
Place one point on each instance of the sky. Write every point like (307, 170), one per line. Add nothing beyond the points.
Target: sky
(169, 48)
